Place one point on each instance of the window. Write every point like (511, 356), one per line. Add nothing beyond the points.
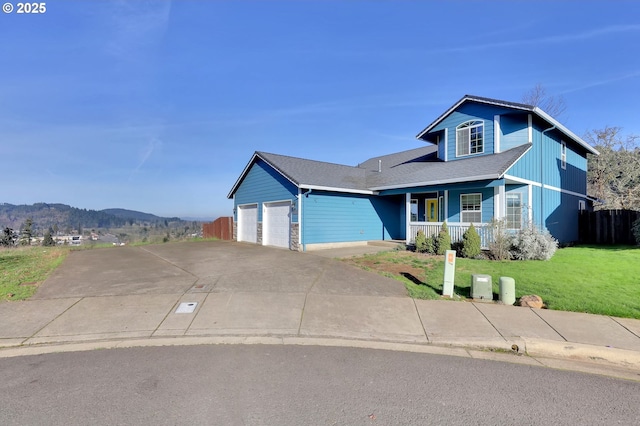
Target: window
(471, 208)
(470, 138)
(563, 154)
(414, 210)
(582, 205)
(514, 211)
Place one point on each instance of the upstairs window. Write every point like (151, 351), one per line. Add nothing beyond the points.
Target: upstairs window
(563, 155)
(470, 138)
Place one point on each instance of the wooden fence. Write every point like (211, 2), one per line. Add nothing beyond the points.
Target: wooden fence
(607, 226)
(221, 228)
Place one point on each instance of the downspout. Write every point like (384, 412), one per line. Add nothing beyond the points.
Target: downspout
(542, 176)
(300, 221)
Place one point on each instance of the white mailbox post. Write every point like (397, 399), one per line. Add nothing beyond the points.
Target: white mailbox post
(449, 273)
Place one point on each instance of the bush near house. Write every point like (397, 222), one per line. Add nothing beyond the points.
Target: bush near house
(471, 244)
(444, 240)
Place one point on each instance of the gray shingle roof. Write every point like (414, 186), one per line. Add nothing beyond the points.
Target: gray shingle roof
(416, 167)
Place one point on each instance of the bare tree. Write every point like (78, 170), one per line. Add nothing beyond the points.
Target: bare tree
(614, 175)
(555, 106)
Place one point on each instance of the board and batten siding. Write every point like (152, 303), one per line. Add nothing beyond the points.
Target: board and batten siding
(330, 217)
(514, 131)
(467, 112)
(263, 184)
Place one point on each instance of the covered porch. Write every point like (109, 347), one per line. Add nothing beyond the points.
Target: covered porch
(456, 231)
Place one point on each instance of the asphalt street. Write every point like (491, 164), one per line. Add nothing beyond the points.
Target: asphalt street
(294, 385)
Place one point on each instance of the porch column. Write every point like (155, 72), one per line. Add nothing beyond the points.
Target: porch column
(407, 216)
(499, 202)
(446, 206)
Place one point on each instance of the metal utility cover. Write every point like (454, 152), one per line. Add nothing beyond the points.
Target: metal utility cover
(186, 307)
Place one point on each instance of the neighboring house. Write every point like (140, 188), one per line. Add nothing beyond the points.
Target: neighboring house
(486, 159)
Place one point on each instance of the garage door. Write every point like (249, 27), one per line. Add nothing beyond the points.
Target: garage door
(248, 223)
(276, 224)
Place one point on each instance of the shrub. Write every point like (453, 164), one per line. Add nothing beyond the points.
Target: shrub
(471, 243)
(635, 230)
(443, 242)
(421, 242)
(532, 244)
(500, 246)
(425, 244)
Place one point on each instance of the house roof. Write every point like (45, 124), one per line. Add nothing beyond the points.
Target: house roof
(513, 105)
(416, 167)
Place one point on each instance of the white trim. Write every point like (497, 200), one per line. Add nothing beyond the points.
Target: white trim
(566, 131)
(300, 197)
(522, 180)
(246, 170)
(513, 106)
(471, 193)
(530, 127)
(347, 190)
(496, 203)
(496, 134)
(446, 205)
(565, 191)
(438, 182)
(468, 125)
(407, 215)
(582, 205)
(563, 155)
(446, 143)
(441, 207)
(519, 195)
(530, 203)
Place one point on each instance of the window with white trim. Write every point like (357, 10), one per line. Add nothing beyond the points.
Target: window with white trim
(514, 211)
(470, 138)
(471, 208)
(563, 155)
(414, 210)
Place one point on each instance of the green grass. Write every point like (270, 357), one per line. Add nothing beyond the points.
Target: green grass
(600, 280)
(27, 265)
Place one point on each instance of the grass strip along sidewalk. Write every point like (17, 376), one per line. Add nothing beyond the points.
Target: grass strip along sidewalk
(600, 280)
(22, 269)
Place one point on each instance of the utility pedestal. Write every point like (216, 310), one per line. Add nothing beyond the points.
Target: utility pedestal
(449, 273)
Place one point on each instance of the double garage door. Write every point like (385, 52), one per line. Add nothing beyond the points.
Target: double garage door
(276, 223)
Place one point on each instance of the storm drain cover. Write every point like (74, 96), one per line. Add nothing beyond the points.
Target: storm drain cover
(186, 307)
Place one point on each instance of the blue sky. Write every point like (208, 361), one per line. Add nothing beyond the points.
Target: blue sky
(158, 106)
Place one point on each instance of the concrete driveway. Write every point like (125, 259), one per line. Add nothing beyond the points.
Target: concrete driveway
(205, 267)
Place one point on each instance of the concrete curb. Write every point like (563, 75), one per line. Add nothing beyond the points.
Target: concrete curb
(592, 359)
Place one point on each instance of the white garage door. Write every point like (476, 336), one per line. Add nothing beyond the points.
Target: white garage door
(276, 224)
(248, 223)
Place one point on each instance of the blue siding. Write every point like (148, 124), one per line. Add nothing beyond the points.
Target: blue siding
(514, 131)
(263, 184)
(573, 178)
(561, 213)
(338, 217)
(466, 112)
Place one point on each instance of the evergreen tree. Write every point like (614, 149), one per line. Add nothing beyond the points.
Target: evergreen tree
(471, 245)
(444, 240)
(8, 238)
(48, 240)
(27, 233)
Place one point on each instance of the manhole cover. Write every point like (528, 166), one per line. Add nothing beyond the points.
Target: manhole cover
(186, 307)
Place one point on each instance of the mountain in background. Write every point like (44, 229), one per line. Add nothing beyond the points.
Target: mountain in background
(66, 218)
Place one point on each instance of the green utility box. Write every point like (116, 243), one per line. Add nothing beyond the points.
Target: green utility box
(481, 287)
(507, 290)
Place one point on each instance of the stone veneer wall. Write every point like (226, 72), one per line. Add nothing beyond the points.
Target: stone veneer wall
(235, 231)
(295, 230)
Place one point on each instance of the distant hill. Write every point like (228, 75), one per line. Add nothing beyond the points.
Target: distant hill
(132, 214)
(64, 217)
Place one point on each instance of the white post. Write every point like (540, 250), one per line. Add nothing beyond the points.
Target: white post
(407, 215)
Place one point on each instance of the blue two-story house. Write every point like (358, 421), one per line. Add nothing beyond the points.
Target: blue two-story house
(484, 159)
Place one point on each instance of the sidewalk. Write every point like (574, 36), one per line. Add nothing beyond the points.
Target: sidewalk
(311, 304)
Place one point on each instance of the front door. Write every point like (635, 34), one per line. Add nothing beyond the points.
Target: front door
(432, 210)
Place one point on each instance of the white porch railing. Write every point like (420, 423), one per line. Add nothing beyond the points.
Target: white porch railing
(456, 231)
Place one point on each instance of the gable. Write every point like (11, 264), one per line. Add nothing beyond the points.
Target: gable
(263, 182)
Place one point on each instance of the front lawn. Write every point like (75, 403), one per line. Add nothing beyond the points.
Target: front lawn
(599, 280)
